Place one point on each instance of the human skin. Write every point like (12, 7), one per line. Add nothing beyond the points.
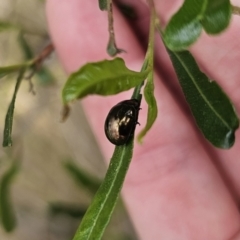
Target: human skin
(178, 186)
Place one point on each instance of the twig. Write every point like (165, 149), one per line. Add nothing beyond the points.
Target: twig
(37, 64)
(112, 48)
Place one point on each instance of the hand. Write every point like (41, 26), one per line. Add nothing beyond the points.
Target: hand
(178, 185)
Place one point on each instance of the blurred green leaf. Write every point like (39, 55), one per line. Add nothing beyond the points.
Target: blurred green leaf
(7, 215)
(5, 26)
(45, 76)
(107, 77)
(152, 106)
(67, 209)
(27, 51)
(100, 211)
(210, 106)
(7, 135)
(102, 4)
(127, 10)
(81, 177)
(217, 16)
(185, 26)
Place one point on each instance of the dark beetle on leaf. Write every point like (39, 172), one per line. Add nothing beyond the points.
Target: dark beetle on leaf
(121, 121)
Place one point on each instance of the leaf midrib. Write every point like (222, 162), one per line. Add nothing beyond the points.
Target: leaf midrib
(108, 193)
(86, 86)
(201, 93)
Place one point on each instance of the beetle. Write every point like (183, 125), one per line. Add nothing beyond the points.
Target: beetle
(121, 121)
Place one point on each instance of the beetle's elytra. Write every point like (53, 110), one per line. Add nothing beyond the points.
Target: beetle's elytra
(121, 121)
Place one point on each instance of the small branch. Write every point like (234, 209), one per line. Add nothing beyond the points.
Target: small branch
(45, 53)
(112, 48)
(36, 64)
(236, 10)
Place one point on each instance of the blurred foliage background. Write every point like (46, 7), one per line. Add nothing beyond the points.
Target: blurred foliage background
(58, 171)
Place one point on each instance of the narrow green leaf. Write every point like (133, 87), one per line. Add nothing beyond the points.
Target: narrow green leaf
(4, 26)
(152, 106)
(7, 138)
(127, 10)
(184, 27)
(107, 77)
(7, 215)
(99, 213)
(217, 16)
(26, 49)
(102, 4)
(210, 106)
(67, 209)
(89, 182)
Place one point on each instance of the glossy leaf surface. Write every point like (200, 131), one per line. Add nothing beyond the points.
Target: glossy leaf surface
(100, 211)
(185, 26)
(217, 16)
(7, 135)
(210, 106)
(7, 215)
(107, 77)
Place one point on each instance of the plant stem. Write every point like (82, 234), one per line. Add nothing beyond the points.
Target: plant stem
(35, 63)
(148, 61)
(112, 48)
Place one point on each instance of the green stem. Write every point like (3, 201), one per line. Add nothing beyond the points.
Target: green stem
(148, 61)
(33, 63)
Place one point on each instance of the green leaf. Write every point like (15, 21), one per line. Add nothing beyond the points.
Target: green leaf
(217, 16)
(152, 106)
(127, 10)
(27, 51)
(7, 138)
(107, 77)
(89, 182)
(210, 106)
(185, 26)
(67, 209)
(7, 215)
(102, 4)
(45, 76)
(4, 26)
(99, 213)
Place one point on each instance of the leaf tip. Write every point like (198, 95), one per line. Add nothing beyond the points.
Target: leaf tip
(140, 138)
(229, 140)
(65, 113)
